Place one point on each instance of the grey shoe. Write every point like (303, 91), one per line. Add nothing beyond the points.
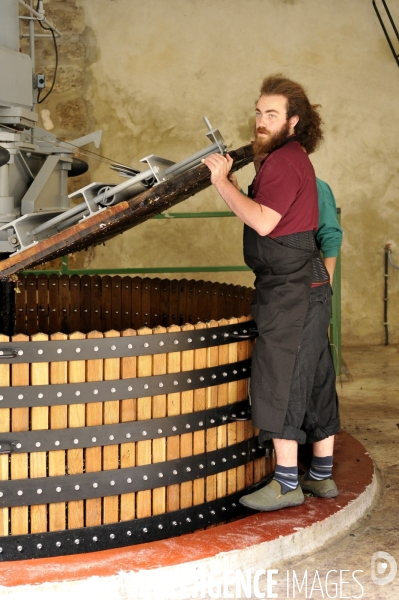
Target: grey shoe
(270, 498)
(325, 488)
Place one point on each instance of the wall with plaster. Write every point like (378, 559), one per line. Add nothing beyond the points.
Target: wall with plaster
(146, 72)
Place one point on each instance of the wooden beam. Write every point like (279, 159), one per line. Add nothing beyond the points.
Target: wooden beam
(113, 220)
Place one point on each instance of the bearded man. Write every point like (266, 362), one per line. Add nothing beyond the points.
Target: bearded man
(293, 391)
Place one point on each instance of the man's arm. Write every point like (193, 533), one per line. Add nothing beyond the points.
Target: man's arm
(329, 233)
(330, 263)
(261, 218)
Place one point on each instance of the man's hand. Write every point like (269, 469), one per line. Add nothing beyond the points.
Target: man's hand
(219, 167)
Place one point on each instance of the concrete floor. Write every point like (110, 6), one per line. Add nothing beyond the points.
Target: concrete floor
(369, 400)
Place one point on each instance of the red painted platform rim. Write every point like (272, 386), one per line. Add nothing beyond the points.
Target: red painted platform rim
(353, 473)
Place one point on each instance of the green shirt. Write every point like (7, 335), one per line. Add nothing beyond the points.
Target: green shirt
(329, 233)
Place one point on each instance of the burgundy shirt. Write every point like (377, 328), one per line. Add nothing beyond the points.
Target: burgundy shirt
(286, 182)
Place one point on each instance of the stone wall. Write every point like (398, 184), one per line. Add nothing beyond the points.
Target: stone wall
(146, 72)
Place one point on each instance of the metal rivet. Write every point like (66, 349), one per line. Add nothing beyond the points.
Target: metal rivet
(201, 466)
(39, 491)
(223, 508)
(111, 437)
(174, 523)
(112, 482)
(77, 487)
(160, 474)
(77, 542)
(188, 469)
(160, 526)
(129, 389)
(19, 445)
(95, 391)
(113, 347)
(95, 348)
(175, 472)
(128, 435)
(40, 351)
(129, 345)
(146, 344)
(58, 544)
(189, 340)
(175, 383)
(39, 546)
(128, 533)
(213, 463)
(188, 520)
(129, 480)
(112, 536)
(159, 430)
(1, 398)
(20, 397)
(224, 459)
(19, 548)
(145, 529)
(213, 376)
(202, 378)
(212, 512)
(234, 456)
(161, 343)
(113, 390)
(144, 433)
(76, 441)
(201, 423)
(160, 384)
(40, 395)
(234, 372)
(37, 444)
(212, 420)
(188, 380)
(59, 350)
(59, 394)
(77, 393)
(95, 485)
(77, 350)
(57, 489)
(20, 352)
(20, 492)
(188, 426)
(176, 341)
(174, 428)
(233, 504)
(224, 374)
(202, 339)
(95, 538)
(146, 386)
(201, 516)
(93, 439)
(145, 477)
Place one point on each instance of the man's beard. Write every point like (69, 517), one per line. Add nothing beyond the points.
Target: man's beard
(263, 146)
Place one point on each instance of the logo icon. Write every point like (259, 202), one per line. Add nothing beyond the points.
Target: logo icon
(383, 568)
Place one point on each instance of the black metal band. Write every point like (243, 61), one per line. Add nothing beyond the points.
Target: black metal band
(44, 490)
(122, 389)
(117, 347)
(44, 440)
(125, 533)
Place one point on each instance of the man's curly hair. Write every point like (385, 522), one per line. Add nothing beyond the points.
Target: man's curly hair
(308, 129)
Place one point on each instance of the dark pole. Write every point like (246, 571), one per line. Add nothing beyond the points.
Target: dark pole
(387, 251)
(7, 307)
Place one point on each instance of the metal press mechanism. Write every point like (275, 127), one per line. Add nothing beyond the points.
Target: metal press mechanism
(35, 165)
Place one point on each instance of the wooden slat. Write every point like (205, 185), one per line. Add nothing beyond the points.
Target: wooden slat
(190, 314)
(232, 389)
(136, 303)
(242, 394)
(76, 418)
(106, 303)
(116, 303)
(111, 453)
(187, 407)
(54, 311)
(182, 303)
(155, 299)
(64, 303)
(228, 307)
(128, 450)
(96, 320)
(206, 301)
(42, 304)
(20, 305)
(31, 305)
(164, 303)
(215, 300)
(39, 420)
(126, 303)
(86, 308)
(159, 445)
(75, 301)
(199, 436)
(19, 462)
(143, 449)
(58, 420)
(222, 391)
(173, 443)
(145, 317)
(4, 426)
(94, 416)
(212, 360)
(198, 301)
(173, 303)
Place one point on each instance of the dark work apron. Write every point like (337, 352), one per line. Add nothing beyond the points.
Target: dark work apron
(283, 284)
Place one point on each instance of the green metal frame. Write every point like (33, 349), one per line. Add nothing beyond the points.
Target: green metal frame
(335, 324)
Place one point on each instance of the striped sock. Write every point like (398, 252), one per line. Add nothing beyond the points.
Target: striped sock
(321, 468)
(287, 478)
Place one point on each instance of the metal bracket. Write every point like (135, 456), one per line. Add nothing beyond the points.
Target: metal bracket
(158, 166)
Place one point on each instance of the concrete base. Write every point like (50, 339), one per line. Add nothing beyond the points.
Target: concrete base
(196, 565)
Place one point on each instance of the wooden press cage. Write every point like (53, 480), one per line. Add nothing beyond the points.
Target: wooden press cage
(80, 336)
